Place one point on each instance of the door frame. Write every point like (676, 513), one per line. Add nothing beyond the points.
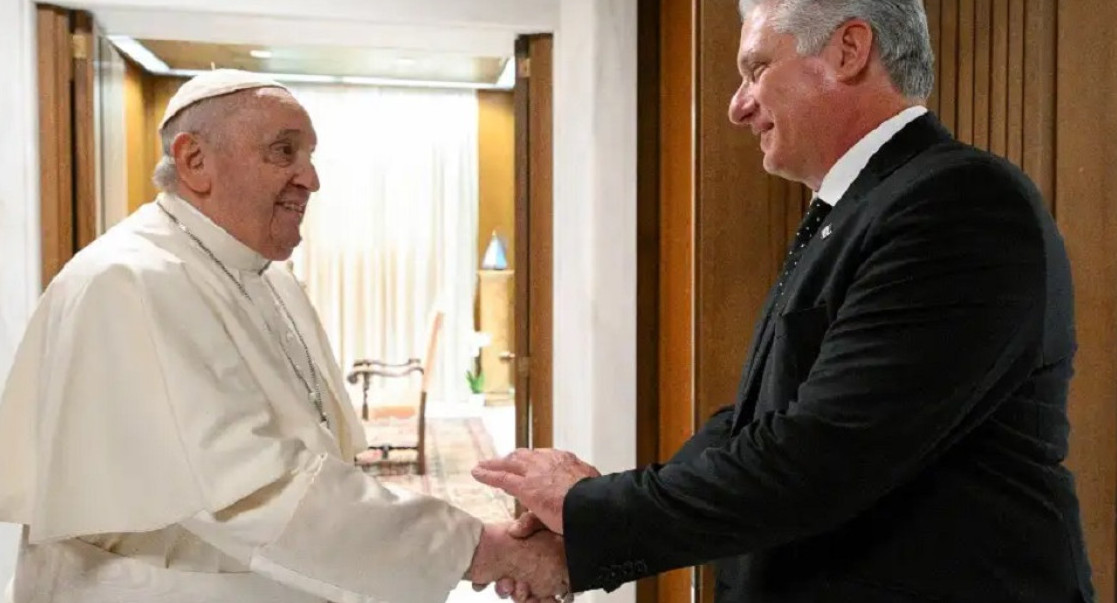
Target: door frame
(534, 209)
(69, 170)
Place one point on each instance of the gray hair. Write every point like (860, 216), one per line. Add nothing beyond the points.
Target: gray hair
(208, 119)
(899, 28)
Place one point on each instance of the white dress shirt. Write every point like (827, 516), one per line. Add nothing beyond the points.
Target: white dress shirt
(846, 169)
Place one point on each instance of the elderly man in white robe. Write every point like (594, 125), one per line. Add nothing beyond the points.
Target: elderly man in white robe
(174, 427)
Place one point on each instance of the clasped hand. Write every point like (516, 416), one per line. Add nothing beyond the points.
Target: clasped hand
(540, 480)
(525, 560)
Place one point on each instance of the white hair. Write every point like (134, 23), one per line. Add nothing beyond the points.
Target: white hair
(207, 119)
(899, 29)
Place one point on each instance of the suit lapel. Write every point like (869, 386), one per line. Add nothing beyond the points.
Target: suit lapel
(760, 338)
(913, 139)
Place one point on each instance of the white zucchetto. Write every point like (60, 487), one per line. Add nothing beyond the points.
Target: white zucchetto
(210, 84)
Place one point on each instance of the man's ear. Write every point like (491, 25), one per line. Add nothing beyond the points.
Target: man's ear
(853, 46)
(193, 163)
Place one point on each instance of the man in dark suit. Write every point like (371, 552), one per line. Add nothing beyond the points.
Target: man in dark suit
(901, 423)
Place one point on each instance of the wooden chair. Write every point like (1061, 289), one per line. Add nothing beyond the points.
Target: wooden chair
(398, 426)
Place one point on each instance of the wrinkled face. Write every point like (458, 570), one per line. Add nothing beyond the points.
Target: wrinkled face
(783, 98)
(262, 174)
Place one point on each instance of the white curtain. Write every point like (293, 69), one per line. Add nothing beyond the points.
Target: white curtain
(392, 234)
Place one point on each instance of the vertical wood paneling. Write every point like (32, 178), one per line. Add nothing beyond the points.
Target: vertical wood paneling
(737, 250)
(1039, 95)
(55, 71)
(965, 102)
(740, 237)
(535, 242)
(667, 42)
(87, 167)
(521, 106)
(677, 207)
(1086, 206)
(1003, 92)
(934, 11)
(541, 220)
(648, 244)
(1015, 113)
(948, 65)
(998, 105)
(983, 78)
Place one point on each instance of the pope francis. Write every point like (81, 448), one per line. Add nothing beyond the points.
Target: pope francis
(174, 428)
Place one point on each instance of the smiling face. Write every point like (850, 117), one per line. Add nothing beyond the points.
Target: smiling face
(785, 98)
(255, 176)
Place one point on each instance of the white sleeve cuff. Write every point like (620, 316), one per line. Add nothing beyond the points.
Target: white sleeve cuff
(334, 532)
(353, 540)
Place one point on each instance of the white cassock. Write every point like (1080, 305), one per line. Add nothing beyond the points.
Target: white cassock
(159, 446)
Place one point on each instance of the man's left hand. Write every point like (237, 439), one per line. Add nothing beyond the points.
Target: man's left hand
(539, 479)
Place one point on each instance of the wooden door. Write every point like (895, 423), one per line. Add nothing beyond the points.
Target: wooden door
(665, 377)
(1085, 185)
(68, 161)
(534, 241)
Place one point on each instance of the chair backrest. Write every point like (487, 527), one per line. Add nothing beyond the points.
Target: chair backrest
(434, 332)
(429, 357)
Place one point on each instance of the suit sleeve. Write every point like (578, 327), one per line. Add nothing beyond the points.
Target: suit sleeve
(941, 321)
(714, 432)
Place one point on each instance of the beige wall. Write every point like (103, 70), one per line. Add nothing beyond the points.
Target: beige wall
(157, 93)
(145, 97)
(497, 171)
(135, 120)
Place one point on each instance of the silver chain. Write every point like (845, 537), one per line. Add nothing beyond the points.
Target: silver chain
(313, 391)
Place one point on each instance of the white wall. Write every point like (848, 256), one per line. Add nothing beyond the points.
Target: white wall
(483, 27)
(19, 218)
(595, 237)
(595, 231)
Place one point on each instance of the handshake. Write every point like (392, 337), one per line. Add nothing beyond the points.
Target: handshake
(526, 558)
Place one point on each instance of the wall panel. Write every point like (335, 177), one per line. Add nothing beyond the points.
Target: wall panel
(1086, 206)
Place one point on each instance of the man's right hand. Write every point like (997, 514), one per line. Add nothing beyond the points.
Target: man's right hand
(526, 526)
(526, 562)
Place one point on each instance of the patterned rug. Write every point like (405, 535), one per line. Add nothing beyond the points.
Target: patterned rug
(454, 447)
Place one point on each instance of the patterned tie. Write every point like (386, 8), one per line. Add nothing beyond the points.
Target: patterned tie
(816, 213)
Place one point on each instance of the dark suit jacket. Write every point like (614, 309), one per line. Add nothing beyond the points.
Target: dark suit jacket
(901, 423)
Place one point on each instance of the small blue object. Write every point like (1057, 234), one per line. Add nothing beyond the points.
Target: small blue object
(495, 257)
